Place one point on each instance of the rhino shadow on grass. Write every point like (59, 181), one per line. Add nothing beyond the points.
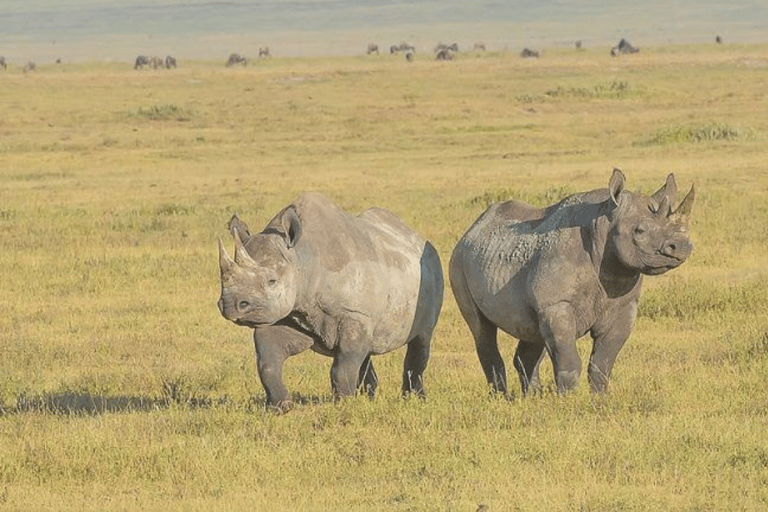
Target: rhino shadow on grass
(86, 404)
(72, 403)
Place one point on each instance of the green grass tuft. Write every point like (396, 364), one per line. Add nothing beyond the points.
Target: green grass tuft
(165, 112)
(711, 132)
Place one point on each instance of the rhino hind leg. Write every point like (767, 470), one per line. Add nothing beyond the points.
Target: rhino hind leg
(483, 330)
(415, 363)
(527, 358)
(352, 353)
(486, 344)
(367, 380)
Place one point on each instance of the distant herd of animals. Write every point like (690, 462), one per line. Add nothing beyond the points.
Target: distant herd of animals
(155, 62)
(354, 286)
(442, 52)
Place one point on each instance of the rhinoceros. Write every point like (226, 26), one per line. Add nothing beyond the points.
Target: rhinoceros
(549, 276)
(345, 286)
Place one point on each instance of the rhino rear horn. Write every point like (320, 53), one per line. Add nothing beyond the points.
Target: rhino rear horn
(616, 185)
(683, 211)
(235, 224)
(241, 255)
(668, 192)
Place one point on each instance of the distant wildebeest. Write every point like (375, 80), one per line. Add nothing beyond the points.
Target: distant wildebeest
(549, 276)
(409, 56)
(372, 48)
(578, 44)
(623, 48)
(236, 58)
(29, 66)
(479, 47)
(442, 46)
(264, 51)
(402, 47)
(58, 61)
(141, 61)
(718, 40)
(444, 54)
(528, 53)
(157, 62)
(170, 62)
(349, 287)
(2, 62)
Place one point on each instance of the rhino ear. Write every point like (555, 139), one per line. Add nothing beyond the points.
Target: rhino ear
(683, 212)
(291, 226)
(235, 224)
(664, 198)
(225, 262)
(616, 185)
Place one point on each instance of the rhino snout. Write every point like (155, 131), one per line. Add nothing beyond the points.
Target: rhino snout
(678, 249)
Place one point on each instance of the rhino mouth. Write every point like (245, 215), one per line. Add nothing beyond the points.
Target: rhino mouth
(659, 264)
(655, 271)
(249, 323)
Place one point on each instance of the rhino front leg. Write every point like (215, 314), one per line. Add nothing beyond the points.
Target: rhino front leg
(606, 348)
(527, 358)
(274, 344)
(556, 327)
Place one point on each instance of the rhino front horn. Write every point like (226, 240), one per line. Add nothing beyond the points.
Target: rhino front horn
(225, 262)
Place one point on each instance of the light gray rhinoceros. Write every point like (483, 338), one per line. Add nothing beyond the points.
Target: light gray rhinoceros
(549, 276)
(346, 287)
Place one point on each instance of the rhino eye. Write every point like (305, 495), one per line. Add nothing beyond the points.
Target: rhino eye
(639, 230)
(272, 281)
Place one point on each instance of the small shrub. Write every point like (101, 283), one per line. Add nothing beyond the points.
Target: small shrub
(702, 133)
(174, 209)
(165, 112)
(614, 90)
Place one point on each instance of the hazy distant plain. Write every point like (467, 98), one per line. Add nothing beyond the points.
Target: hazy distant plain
(108, 30)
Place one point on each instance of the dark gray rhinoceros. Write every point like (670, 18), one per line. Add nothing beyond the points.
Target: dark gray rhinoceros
(346, 287)
(549, 276)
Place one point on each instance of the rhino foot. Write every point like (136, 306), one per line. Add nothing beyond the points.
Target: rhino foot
(281, 407)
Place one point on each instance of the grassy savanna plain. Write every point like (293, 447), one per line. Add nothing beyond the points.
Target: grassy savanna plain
(122, 388)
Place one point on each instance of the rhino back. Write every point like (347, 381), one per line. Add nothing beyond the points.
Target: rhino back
(369, 266)
(517, 258)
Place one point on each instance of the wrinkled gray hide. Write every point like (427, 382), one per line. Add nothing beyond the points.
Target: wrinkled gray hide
(346, 287)
(549, 276)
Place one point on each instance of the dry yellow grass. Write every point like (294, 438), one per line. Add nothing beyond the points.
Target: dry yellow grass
(123, 389)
